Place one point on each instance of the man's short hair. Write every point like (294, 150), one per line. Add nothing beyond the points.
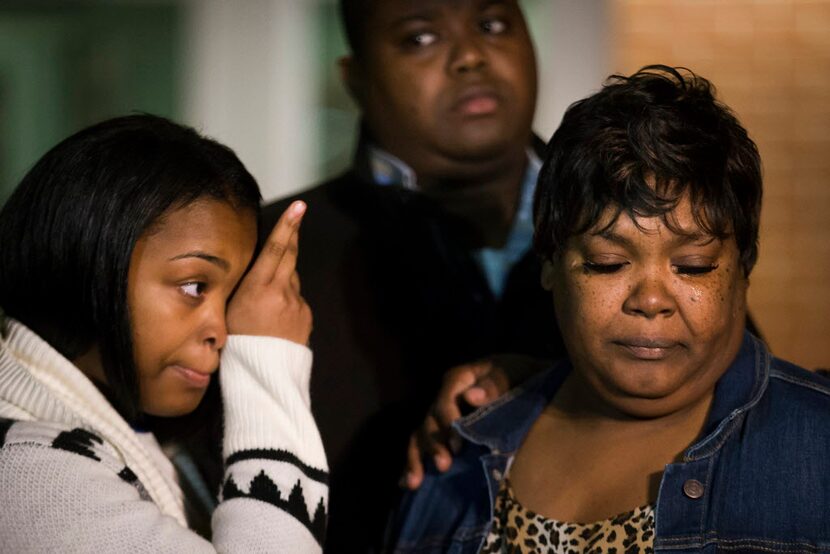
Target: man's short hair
(353, 15)
(638, 146)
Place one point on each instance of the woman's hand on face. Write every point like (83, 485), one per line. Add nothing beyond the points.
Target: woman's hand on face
(268, 301)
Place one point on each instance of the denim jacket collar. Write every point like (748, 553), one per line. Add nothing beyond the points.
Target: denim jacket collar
(503, 425)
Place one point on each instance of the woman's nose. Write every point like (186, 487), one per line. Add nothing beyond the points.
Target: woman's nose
(650, 297)
(216, 330)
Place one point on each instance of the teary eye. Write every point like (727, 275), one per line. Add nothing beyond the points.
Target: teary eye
(602, 269)
(695, 269)
(194, 289)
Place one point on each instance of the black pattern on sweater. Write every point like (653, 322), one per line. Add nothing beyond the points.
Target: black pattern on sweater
(264, 489)
(280, 456)
(80, 441)
(5, 424)
(77, 441)
(128, 476)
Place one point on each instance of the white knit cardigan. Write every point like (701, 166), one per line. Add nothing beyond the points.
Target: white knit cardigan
(269, 435)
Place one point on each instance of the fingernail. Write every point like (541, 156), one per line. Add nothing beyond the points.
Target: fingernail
(297, 208)
(410, 480)
(475, 394)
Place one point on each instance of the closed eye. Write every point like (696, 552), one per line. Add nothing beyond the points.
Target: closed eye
(695, 269)
(602, 269)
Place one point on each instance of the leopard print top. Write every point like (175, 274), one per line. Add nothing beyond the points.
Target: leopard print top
(516, 530)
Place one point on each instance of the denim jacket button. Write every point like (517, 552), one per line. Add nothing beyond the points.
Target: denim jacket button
(693, 488)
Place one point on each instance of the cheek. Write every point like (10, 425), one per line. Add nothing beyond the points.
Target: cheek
(518, 69)
(710, 307)
(142, 323)
(410, 89)
(585, 305)
(386, 103)
(152, 312)
(144, 347)
(155, 324)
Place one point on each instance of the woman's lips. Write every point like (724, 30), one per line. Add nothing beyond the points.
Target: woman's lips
(648, 349)
(195, 378)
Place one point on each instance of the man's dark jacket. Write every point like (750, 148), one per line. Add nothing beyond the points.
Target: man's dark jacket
(397, 299)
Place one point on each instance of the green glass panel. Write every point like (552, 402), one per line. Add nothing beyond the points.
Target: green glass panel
(63, 68)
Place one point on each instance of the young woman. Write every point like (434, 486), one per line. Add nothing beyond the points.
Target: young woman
(127, 279)
(669, 428)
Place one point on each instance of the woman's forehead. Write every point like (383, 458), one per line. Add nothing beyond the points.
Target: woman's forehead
(681, 223)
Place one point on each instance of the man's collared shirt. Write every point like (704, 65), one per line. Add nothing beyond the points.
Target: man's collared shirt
(496, 263)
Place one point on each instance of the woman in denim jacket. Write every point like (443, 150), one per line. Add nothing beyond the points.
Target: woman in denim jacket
(669, 428)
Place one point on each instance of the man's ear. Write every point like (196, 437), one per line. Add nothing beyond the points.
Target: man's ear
(548, 275)
(351, 75)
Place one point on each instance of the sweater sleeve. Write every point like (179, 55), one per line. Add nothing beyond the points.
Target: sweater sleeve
(276, 474)
(71, 491)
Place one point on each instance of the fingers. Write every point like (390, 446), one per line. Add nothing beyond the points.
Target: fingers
(288, 265)
(427, 441)
(280, 242)
(268, 301)
(457, 382)
(477, 384)
(434, 441)
(446, 409)
(295, 283)
(414, 475)
(487, 389)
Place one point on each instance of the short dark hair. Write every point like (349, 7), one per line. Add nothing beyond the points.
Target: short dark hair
(69, 229)
(353, 16)
(637, 146)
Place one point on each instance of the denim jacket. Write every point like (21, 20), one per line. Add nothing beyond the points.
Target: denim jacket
(757, 479)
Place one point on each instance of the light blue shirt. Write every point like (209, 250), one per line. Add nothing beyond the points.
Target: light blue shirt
(496, 263)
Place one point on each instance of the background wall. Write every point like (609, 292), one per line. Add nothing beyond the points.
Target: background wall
(770, 60)
(66, 65)
(261, 76)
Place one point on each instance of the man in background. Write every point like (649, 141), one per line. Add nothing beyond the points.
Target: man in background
(418, 258)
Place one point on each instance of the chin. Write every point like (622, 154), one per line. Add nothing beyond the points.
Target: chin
(174, 408)
(653, 394)
(646, 379)
(483, 140)
(638, 401)
(479, 152)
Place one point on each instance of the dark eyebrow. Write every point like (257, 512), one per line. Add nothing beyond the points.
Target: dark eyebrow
(701, 239)
(204, 256)
(487, 3)
(416, 16)
(428, 13)
(616, 238)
